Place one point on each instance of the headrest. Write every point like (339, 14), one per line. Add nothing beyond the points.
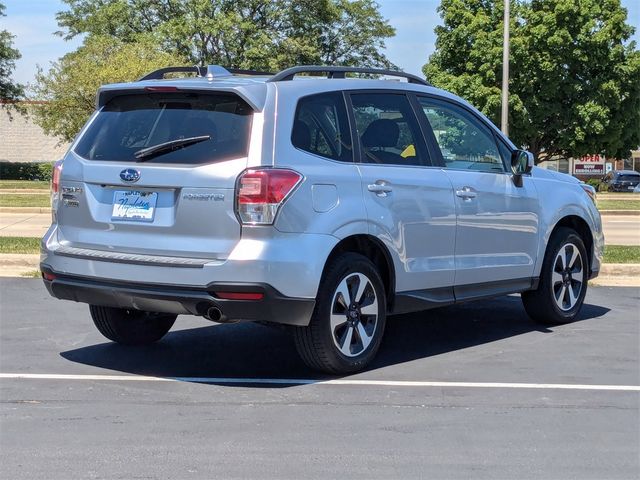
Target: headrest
(381, 133)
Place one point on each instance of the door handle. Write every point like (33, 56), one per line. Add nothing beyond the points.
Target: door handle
(466, 193)
(380, 188)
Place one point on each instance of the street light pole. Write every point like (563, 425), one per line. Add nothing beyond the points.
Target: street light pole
(505, 72)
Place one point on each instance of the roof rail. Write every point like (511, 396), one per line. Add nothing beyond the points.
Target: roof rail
(240, 71)
(339, 72)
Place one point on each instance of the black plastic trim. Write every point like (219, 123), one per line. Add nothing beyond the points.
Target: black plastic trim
(416, 300)
(166, 298)
(472, 291)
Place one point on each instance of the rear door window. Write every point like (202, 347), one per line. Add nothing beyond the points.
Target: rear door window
(388, 129)
(130, 123)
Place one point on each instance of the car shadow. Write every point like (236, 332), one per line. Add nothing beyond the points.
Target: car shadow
(250, 350)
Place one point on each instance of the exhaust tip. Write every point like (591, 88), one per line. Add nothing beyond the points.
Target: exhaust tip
(214, 314)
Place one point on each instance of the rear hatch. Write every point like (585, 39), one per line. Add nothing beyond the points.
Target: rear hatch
(154, 174)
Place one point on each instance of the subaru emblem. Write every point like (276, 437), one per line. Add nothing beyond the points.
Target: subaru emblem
(130, 175)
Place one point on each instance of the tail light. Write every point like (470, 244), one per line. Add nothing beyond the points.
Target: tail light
(55, 187)
(55, 176)
(260, 193)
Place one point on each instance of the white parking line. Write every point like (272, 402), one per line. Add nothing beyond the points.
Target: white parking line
(302, 381)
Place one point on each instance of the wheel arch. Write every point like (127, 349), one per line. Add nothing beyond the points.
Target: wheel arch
(374, 250)
(581, 227)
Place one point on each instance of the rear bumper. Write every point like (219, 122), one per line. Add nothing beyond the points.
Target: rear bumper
(273, 307)
(291, 263)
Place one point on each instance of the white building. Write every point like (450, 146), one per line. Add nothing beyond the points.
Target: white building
(21, 140)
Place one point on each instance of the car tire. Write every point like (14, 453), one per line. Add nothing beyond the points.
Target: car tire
(131, 327)
(563, 280)
(344, 334)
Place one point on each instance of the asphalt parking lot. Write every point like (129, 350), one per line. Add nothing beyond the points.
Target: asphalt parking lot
(471, 391)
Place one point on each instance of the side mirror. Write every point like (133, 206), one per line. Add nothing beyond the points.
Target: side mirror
(521, 162)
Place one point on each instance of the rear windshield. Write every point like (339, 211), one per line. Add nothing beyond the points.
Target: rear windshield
(130, 123)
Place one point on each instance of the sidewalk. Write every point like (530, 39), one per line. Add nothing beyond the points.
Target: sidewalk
(24, 224)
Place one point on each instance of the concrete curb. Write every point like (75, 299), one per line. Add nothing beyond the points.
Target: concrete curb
(620, 212)
(17, 264)
(618, 275)
(624, 269)
(19, 259)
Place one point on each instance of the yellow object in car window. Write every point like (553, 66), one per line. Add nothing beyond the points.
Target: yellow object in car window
(410, 151)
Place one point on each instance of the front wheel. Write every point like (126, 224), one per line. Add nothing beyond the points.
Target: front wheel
(348, 322)
(131, 327)
(563, 280)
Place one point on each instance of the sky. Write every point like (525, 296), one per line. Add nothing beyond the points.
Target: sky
(33, 23)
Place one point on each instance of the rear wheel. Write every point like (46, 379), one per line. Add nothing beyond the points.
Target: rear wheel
(348, 321)
(131, 327)
(563, 280)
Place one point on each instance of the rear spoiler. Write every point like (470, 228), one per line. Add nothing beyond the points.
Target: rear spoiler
(254, 95)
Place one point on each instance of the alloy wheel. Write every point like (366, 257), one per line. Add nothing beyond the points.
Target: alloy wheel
(354, 314)
(567, 277)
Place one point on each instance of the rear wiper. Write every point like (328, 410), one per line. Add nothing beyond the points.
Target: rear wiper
(171, 146)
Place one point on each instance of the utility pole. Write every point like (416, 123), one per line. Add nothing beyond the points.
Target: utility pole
(505, 71)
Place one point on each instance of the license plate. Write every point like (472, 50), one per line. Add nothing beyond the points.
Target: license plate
(134, 205)
(631, 188)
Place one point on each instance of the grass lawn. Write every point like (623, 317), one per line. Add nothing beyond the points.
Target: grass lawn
(621, 254)
(32, 274)
(631, 204)
(23, 184)
(25, 200)
(19, 245)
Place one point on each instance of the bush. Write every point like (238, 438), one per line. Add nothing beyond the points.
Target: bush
(26, 171)
(594, 182)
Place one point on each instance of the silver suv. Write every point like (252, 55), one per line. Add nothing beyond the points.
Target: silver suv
(317, 201)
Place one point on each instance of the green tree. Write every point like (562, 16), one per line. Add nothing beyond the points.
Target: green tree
(69, 87)
(574, 86)
(9, 90)
(258, 34)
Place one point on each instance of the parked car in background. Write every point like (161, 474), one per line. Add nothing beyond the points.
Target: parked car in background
(321, 203)
(620, 181)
